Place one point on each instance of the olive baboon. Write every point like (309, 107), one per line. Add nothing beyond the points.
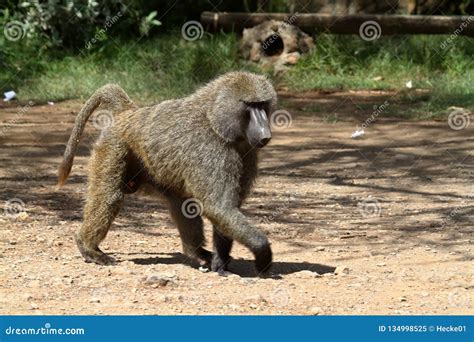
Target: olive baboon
(203, 147)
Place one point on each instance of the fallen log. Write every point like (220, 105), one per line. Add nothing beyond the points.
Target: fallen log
(346, 24)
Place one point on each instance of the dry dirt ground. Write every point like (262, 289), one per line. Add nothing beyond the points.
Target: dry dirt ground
(392, 211)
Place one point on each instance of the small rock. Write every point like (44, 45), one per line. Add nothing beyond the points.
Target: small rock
(381, 264)
(292, 58)
(305, 274)
(256, 299)
(233, 277)
(248, 280)
(314, 311)
(127, 263)
(27, 297)
(341, 270)
(158, 280)
(34, 306)
(203, 269)
(94, 300)
(402, 299)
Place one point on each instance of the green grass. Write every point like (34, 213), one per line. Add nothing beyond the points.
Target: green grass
(168, 66)
(150, 70)
(347, 62)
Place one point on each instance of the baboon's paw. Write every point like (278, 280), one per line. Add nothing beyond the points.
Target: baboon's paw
(263, 260)
(220, 266)
(101, 259)
(201, 255)
(204, 257)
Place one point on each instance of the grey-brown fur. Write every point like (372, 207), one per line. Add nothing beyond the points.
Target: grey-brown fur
(194, 147)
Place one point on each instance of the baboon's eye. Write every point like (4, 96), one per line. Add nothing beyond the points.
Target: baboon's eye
(260, 104)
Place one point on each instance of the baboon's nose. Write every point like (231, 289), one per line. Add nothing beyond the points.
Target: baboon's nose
(264, 141)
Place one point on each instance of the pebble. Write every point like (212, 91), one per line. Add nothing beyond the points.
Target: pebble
(158, 280)
(307, 274)
(27, 297)
(341, 270)
(256, 298)
(315, 311)
(248, 280)
(233, 277)
(203, 269)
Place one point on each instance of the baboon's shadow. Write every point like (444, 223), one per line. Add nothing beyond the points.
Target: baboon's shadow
(244, 268)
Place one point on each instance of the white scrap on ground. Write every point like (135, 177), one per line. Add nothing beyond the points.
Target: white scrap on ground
(358, 133)
(9, 95)
(409, 84)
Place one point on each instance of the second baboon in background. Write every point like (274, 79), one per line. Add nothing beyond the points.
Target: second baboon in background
(201, 148)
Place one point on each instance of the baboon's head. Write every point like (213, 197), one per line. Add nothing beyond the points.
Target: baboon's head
(242, 106)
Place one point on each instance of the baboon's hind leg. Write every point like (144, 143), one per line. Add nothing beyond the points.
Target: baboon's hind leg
(190, 230)
(104, 199)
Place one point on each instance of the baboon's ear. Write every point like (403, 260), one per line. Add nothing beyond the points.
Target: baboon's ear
(225, 117)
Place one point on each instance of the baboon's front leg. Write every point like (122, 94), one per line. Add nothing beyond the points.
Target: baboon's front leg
(231, 223)
(222, 248)
(104, 198)
(190, 226)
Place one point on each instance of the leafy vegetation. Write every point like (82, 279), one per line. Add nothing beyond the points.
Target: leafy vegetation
(55, 59)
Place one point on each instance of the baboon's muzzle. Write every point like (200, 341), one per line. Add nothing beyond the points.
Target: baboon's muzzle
(258, 130)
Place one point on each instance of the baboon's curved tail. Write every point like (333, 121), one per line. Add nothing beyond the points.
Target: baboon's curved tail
(110, 97)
